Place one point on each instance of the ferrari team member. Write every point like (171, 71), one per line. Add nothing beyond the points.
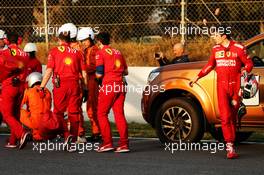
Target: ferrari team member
(12, 90)
(86, 38)
(2, 40)
(75, 45)
(73, 35)
(227, 58)
(111, 67)
(2, 47)
(35, 110)
(33, 65)
(66, 64)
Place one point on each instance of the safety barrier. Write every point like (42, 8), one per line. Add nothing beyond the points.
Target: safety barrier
(137, 79)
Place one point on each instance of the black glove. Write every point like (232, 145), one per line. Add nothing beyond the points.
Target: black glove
(85, 95)
(99, 81)
(15, 82)
(242, 111)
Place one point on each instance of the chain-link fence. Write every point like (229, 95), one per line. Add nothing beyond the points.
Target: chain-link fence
(144, 22)
(245, 17)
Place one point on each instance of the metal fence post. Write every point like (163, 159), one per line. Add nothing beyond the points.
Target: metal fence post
(46, 25)
(183, 24)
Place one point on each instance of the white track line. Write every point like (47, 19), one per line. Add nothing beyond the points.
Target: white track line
(156, 139)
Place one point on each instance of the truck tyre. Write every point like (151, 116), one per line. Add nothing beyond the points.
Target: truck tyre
(179, 119)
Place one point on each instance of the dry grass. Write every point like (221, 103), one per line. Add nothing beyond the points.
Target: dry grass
(142, 54)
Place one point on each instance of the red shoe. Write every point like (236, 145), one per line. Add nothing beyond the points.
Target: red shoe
(8, 145)
(122, 149)
(232, 155)
(105, 148)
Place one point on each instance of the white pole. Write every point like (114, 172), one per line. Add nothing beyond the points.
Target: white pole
(182, 25)
(46, 25)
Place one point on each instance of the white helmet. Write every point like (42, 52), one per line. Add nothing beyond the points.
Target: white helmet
(68, 27)
(33, 78)
(2, 34)
(250, 86)
(85, 33)
(30, 47)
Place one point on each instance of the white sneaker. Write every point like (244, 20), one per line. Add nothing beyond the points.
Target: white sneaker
(24, 140)
(105, 148)
(8, 145)
(122, 149)
(81, 139)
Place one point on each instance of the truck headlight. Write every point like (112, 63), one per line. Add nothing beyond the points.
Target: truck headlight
(152, 76)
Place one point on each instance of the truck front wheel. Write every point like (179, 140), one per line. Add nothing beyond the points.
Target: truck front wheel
(179, 119)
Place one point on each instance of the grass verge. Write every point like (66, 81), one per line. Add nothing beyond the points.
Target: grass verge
(142, 54)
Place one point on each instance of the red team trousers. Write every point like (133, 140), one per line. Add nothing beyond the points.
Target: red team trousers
(228, 62)
(67, 98)
(10, 108)
(114, 99)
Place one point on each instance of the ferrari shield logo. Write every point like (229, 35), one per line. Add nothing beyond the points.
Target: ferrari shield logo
(61, 48)
(109, 51)
(13, 52)
(228, 53)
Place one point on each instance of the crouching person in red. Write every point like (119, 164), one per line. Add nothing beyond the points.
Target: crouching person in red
(35, 110)
(111, 67)
(66, 64)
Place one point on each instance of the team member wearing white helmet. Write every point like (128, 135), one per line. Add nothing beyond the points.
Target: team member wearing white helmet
(75, 45)
(86, 37)
(33, 65)
(66, 64)
(73, 34)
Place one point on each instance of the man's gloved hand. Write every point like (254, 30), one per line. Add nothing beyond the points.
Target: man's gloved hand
(194, 80)
(85, 95)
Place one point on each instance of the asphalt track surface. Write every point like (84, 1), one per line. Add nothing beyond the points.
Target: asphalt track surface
(147, 156)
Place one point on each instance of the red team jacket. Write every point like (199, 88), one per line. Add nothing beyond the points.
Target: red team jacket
(228, 62)
(13, 52)
(112, 63)
(66, 62)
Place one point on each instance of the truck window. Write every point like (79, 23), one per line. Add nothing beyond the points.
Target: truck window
(256, 52)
